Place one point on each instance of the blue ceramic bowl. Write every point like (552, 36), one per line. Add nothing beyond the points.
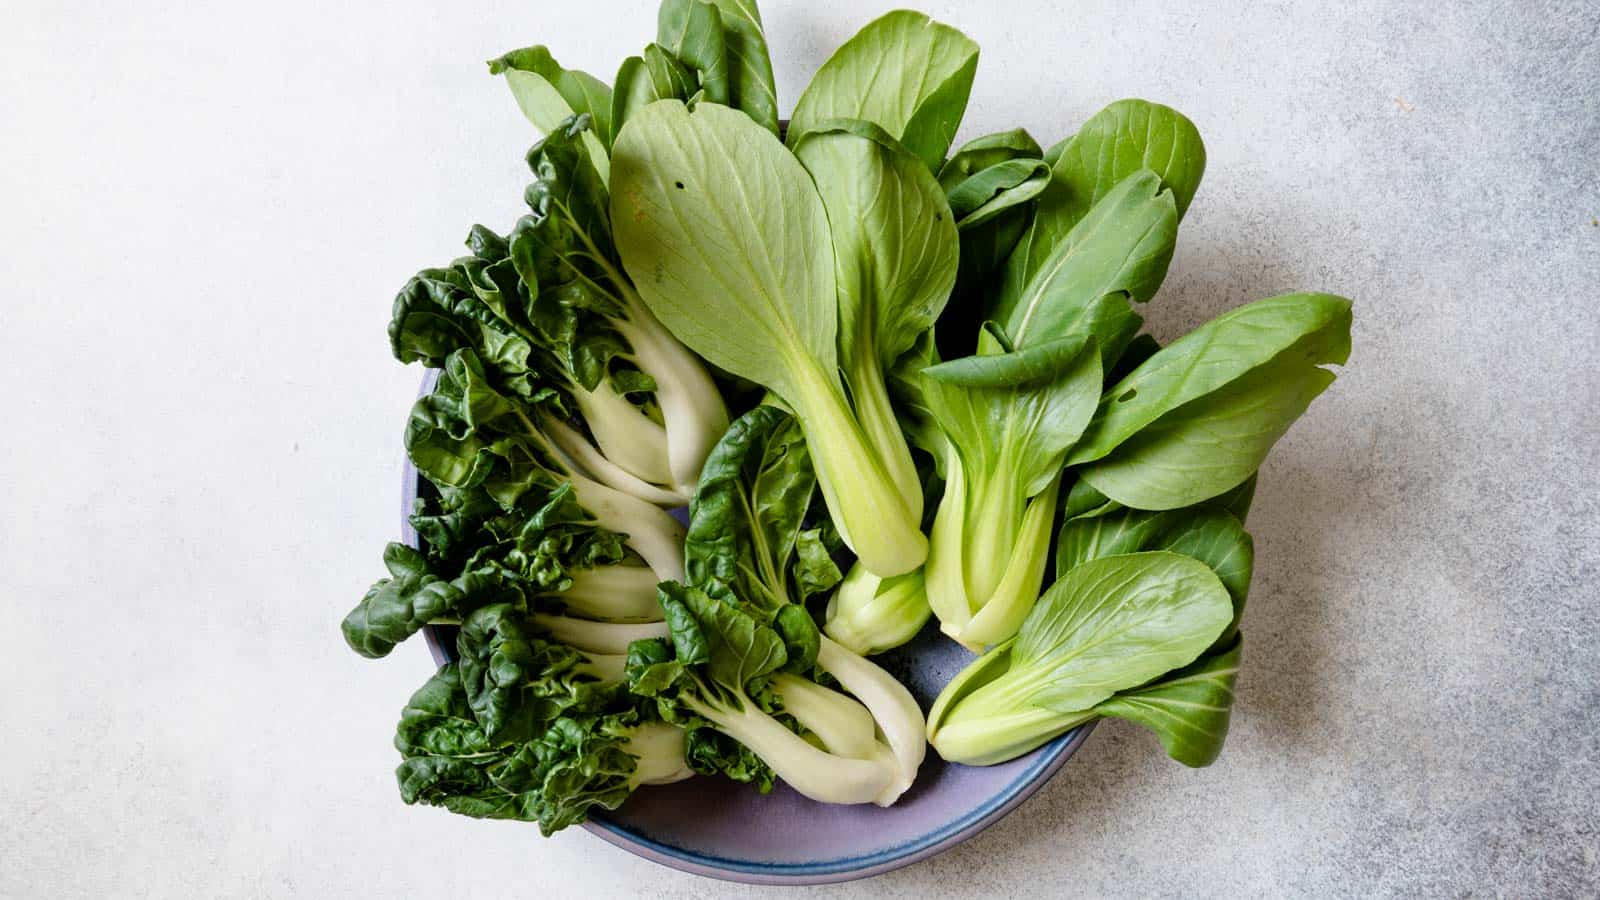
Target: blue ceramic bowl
(722, 829)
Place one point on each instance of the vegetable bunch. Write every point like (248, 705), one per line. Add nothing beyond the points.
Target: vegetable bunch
(943, 407)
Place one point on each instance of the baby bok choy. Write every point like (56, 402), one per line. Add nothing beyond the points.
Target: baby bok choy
(727, 238)
(746, 657)
(524, 724)
(1112, 637)
(555, 322)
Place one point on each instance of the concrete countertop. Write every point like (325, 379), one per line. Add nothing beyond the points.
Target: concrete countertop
(206, 212)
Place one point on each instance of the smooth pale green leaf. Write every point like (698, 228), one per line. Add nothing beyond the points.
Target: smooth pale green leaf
(719, 227)
(1017, 368)
(994, 190)
(1083, 501)
(1021, 431)
(1238, 500)
(904, 72)
(1113, 534)
(1116, 142)
(894, 237)
(1211, 444)
(1116, 253)
(1188, 710)
(750, 83)
(642, 80)
(1208, 533)
(692, 31)
(1115, 623)
(983, 152)
(1295, 330)
(1218, 539)
(549, 94)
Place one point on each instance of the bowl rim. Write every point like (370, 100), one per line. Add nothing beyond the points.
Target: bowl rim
(1048, 759)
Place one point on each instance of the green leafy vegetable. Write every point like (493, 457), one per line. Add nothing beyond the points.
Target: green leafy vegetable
(746, 653)
(1198, 417)
(1008, 420)
(1109, 624)
(1208, 533)
(719, 226)
(1188, 710)
(550, 94)
(579, 763)
(555, 323)
(675, 231)
(869, 615)
(895, 251)
(1113, 145)
(929, 66)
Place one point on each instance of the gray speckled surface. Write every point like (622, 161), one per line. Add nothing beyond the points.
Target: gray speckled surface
(205, 213)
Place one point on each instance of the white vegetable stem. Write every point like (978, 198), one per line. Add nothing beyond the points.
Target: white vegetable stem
(591, 461)
(844, 725)
(620, 593)
(689, 401)
(892, 706)
(659, 749)
(822, 776)
(609, 638)
(650, 531)
(625, 434)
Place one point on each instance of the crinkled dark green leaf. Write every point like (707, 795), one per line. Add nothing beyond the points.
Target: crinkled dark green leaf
(801, 638)
(989, 150)
(516, 682)
(573, 768)
(396, 608)
(740, 649)
(438, 721)
(651, 667)
(711, 752)
(750, 507)
(814, 568)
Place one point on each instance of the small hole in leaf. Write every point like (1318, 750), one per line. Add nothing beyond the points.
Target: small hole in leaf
(938, 217)
(679, 185)
(1127, 395)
